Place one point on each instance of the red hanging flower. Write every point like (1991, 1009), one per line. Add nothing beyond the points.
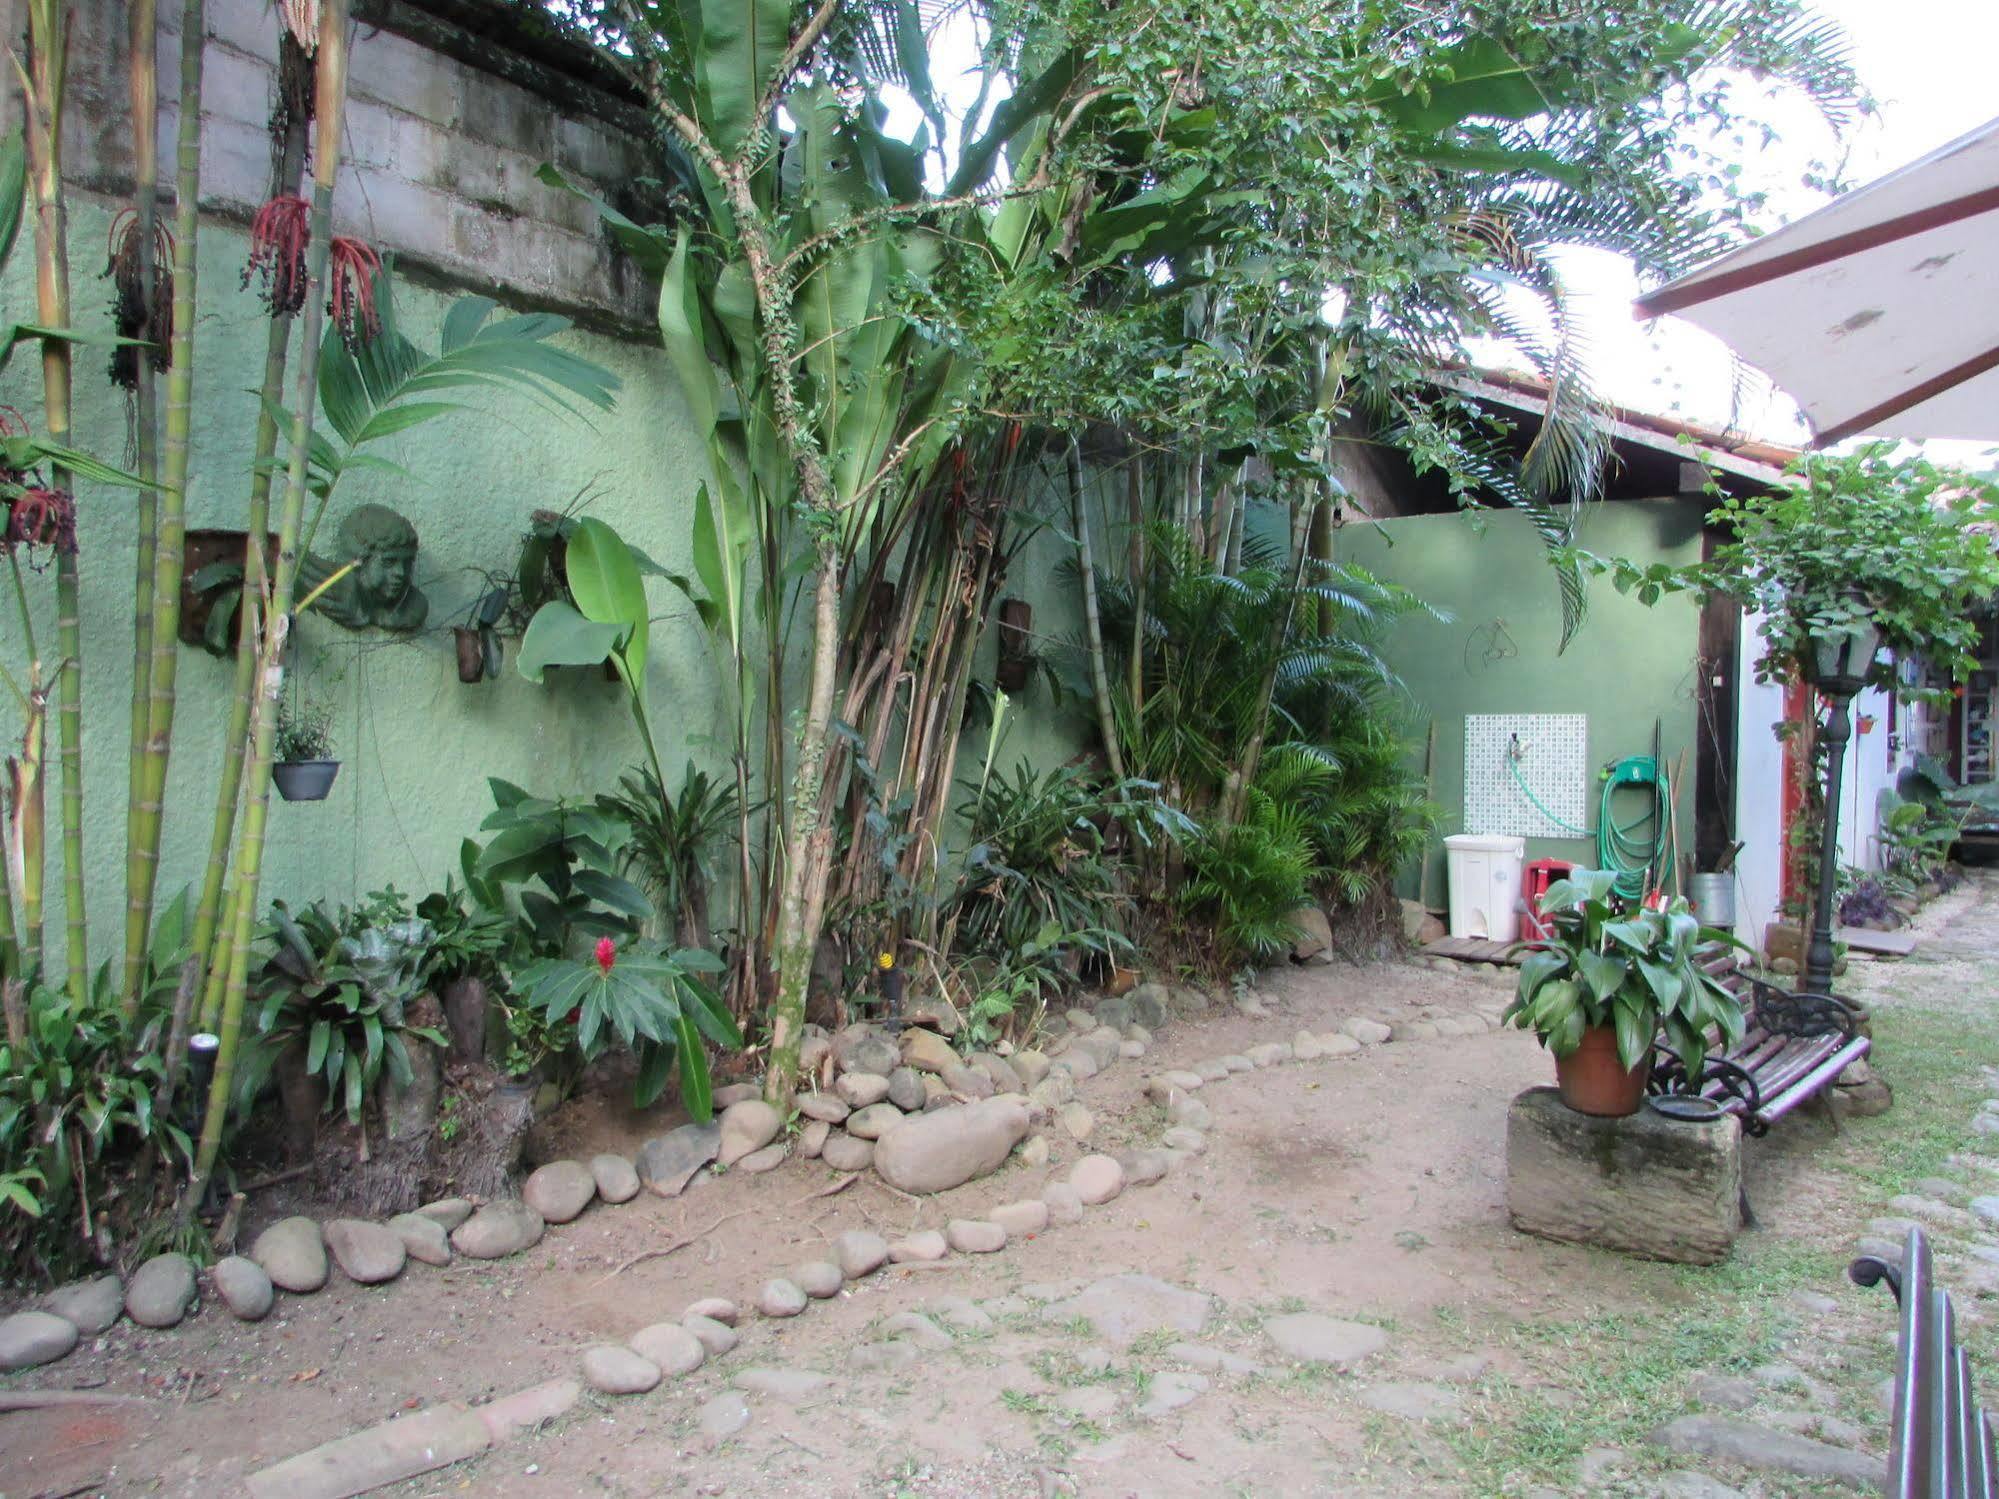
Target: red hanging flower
(136, 310)
(607, 954)
(352, 270)
(278, 238)
(42, 517)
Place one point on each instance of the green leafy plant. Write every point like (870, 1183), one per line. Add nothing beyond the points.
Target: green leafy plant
(1248, 877)
(338, 984)
(653, 1001)
(555, 867)
(670, 839)
(1905, 543)
(1635, 970)
(80, 1114)
(304, 731)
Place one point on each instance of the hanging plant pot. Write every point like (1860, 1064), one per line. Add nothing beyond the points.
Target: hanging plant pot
(1594, 1080)
(471, 654)
(304, 780)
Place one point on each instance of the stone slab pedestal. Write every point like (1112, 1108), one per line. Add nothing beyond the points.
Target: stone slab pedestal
(1647, 1185)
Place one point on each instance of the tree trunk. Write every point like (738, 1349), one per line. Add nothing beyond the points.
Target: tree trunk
(1236, 789)
(1100, 686)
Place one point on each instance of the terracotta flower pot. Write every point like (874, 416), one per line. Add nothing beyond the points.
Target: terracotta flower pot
(471, 654)
(1594, 1080)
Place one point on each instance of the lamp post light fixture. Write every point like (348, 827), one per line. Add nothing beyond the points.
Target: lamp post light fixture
(1841, 659)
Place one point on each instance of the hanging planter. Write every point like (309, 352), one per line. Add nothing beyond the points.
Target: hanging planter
(303, 768)
(477, 641)
(211, 587)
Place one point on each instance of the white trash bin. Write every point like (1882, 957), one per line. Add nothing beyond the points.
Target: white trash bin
(1485, 884)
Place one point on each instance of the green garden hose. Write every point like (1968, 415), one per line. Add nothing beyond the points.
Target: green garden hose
(1618, 848)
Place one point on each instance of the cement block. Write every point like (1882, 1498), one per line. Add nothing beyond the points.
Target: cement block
(1647, 1186)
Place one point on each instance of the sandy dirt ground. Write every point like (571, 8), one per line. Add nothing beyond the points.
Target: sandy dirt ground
(1369, 1188)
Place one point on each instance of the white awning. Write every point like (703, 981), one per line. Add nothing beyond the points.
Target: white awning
(1879, 313)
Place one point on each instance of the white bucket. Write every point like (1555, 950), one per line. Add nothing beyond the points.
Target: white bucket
(1485, 884)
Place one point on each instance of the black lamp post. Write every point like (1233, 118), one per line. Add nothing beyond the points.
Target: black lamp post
(1841, 660)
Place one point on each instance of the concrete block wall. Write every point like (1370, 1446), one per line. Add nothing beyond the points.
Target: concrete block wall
(440, 153)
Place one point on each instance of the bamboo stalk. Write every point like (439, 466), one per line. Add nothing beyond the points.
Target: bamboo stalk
(143, 63)
(331, 81)
(143, 829)
(48, 64)
(1236, 789)
(209, 931)
(1093, 628)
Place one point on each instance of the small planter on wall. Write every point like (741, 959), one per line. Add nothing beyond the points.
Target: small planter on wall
(304, 780)
(1016, 650)
(211, 579)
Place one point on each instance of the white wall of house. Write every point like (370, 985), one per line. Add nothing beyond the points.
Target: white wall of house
(1871, 768)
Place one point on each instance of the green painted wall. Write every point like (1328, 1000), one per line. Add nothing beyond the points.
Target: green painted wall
(417, 745)
(1628, 667)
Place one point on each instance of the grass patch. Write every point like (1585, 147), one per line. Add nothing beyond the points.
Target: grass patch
(1931, 1059)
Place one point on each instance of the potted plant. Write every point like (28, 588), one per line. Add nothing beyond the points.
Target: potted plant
(303, 767)
(1606, 980)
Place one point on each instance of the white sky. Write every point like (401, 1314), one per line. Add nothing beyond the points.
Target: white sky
(1929, 64)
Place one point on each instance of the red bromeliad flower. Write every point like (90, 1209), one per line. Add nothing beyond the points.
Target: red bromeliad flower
(42, 517)
(278, 239)
(354, 266)
(607, 954)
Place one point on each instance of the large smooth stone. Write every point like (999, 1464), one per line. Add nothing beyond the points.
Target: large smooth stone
(843, 1152)
(671, 1346)
(293, 1254)
(617, 1180)
(1315, 1339)
(244, 1287)
(747, 1127)
(874, 1121)
(946, 1148)
(424, 1238)
(611, 1370)
(860, 1252)
(668, 1162)
(498, 1230)
(161, 1293)
(90, 1305)
(365, 1252)
(560, 1191)
(30, 1339)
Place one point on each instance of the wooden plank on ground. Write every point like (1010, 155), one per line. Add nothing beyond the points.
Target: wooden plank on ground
(1471, 950)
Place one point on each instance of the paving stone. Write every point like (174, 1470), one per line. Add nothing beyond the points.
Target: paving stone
(1413, 1401)
(1685, 1483)
(959, 1312)
(874, 1356)
(1312, 1338)
(1202, 1357)
(1752, 1446)
(1123, 1308)
(918, 1329)
(528, 1410)
(1728, 1392)
(722, 1416)
(420, 1442)
(1171, 1389)
(788, 1386)
(1187, 1141)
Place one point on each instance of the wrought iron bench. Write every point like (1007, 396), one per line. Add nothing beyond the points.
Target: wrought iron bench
(1793, 1047)
(1940, 1446)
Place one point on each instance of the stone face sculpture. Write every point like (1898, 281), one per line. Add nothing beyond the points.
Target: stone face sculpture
(381, 592)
